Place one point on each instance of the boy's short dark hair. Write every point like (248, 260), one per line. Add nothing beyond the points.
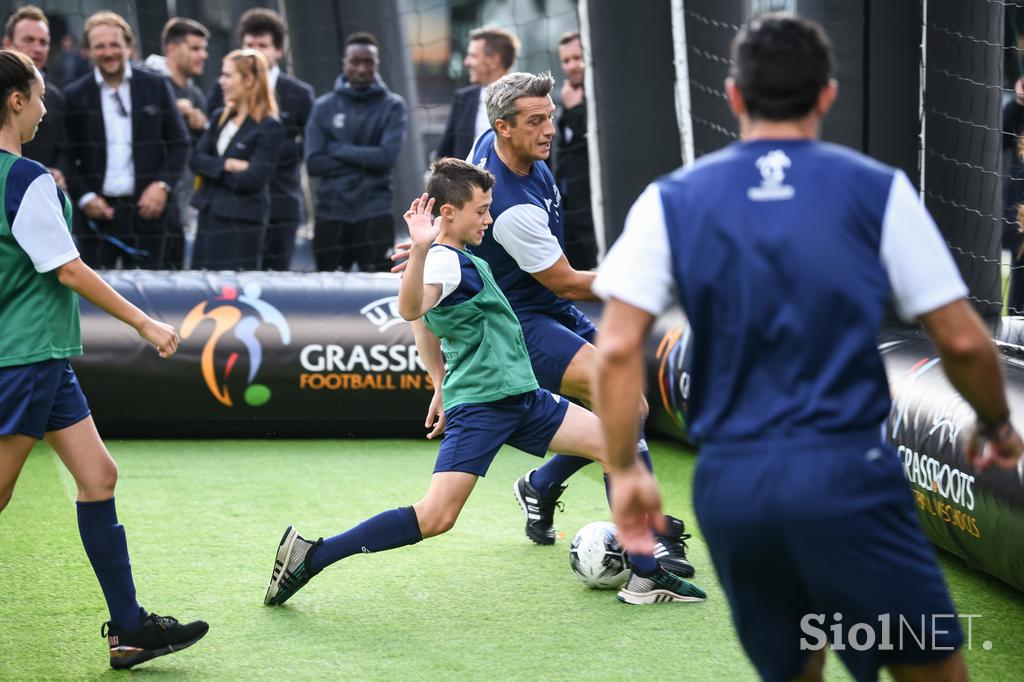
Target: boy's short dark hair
(362, 38)
(781, 62)
(452, 182)
(177, 29)
(261, 21)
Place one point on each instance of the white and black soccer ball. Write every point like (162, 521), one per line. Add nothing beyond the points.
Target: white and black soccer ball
(597, 558)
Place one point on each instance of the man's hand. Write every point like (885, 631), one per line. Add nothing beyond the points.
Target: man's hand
(196, 119)
(401, 256)
(235, 166)
(98, 209)
(571, 95)
(59, 178)
(636, 508)
(1001, 446)
(161, 336)
(153, 201)
(1018, 91)
(435, 416)
(419, 219)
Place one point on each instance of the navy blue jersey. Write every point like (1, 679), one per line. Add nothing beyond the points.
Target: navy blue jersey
(527, 233)
(783, 255)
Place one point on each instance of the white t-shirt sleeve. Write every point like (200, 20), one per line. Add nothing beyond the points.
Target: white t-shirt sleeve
(523, 231)
(39, 226)
(921, 269)
(442, 267)
(638, 268)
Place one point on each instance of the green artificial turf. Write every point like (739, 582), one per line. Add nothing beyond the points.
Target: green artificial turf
(204, 519)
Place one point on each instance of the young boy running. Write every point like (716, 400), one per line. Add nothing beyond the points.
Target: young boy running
(490, 395)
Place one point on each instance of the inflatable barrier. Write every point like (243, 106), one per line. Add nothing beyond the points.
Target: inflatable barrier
(977, 517)
(288, 354)
(326, 355)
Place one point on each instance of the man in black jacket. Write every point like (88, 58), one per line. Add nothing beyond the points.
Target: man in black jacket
(264, 30)
(28, 31)
(572, 170)
(128, 147)
(490, 55)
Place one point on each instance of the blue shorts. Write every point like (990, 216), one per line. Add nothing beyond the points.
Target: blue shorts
(40, 397)
(474, 432)
(553, 341)
(811, 528)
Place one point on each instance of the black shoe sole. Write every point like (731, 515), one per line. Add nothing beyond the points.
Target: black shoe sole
(124, 662)
(535, 539)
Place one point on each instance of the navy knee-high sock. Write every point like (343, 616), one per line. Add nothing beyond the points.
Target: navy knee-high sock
(107, 548)
(556, 471)
(387, 530)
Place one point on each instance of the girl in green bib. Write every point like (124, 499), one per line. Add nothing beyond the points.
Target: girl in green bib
(41, 278)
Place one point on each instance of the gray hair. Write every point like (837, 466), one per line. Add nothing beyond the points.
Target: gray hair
(502, 94)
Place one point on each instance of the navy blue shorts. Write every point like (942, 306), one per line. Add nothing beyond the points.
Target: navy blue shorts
(553, 341)
(40, 397)
(801, 531)
(474, 432)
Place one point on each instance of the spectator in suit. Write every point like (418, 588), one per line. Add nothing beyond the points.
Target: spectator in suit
(128, 147)
(235, 159)
(572, 170)
(353, 139)
(184, 42)
(28, 32)
(264, 30)
(490, 55)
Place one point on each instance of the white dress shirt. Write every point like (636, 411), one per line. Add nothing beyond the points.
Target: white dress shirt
(119, 178)
(482, 124)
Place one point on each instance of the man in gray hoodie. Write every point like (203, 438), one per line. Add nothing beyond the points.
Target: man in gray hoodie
(352, 142)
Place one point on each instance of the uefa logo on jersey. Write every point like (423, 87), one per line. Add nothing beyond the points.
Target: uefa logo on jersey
(773, 167)
(236, 318)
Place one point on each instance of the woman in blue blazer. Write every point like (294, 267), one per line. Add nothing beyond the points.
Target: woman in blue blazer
(235, 160)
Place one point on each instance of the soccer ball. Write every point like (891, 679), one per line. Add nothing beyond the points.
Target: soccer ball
(597, 558)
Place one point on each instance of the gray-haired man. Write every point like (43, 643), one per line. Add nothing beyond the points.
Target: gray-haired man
(525, 249)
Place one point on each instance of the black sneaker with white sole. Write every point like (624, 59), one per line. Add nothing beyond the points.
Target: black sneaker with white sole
(539, 511)
(670, 548)
(662, 586)
(158, 636)
(291, 567)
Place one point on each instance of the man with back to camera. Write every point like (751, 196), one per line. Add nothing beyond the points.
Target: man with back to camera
(353, 140)
(783, 252)
(28, 32)
(264, 30)
(489, 56)
(128, 147)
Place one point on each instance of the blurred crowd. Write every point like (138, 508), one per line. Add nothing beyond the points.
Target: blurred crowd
(149, 159)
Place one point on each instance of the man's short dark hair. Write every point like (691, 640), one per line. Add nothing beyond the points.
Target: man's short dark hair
(362, 38)
(261, 21)
(568, 37)
(452, 182)
(781, 62)
(30, 12)
(177, 29)
(498, 41)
